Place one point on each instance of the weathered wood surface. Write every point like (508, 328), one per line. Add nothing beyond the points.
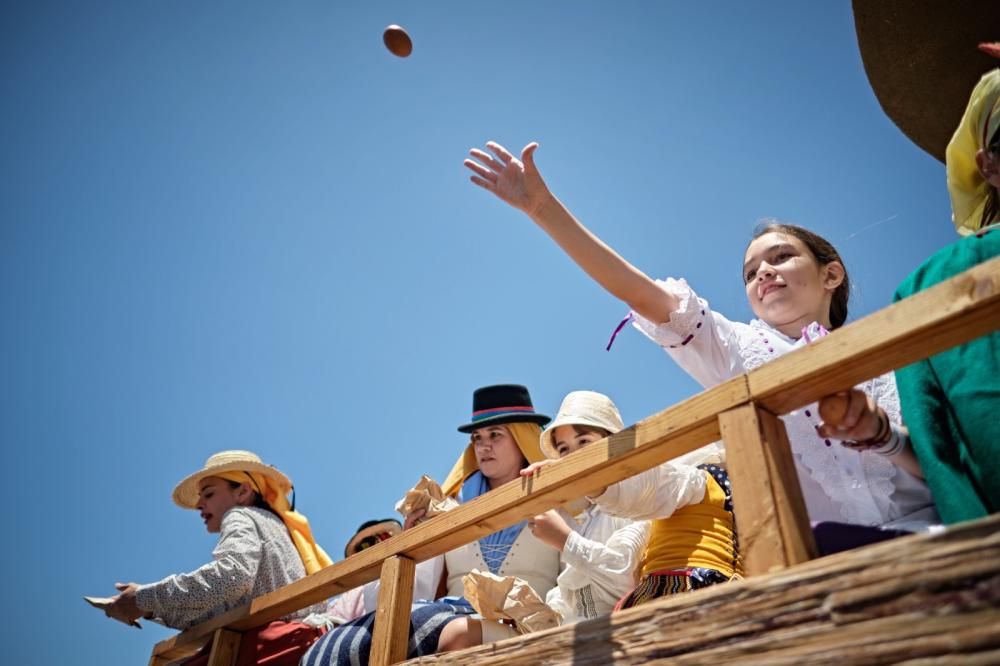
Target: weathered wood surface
(926, 599)
(673, 432)
(948, 314)
(772, 522)
(390, 637)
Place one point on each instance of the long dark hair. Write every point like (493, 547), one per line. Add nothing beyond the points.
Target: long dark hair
(824, 252)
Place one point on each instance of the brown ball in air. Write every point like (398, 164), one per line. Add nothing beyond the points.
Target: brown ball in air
(397, 41)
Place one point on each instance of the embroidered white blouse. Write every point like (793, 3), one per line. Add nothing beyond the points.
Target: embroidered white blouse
(601, 557)
(254, 556)
(838, 484)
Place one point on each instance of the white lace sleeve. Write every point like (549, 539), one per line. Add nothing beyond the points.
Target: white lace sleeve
(179, 599)
(610, 565)
(656, 493)
(701, 341)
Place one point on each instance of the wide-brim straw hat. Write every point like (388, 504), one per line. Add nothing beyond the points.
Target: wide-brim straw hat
(186, 493)
(371, 528)
(922, 61)
(582, 408)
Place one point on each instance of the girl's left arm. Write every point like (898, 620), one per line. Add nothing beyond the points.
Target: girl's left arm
(861, 424)
(181, 599)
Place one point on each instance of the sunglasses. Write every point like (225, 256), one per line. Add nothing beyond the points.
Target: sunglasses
(370, 541)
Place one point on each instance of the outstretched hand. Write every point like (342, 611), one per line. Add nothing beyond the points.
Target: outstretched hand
(515, 181)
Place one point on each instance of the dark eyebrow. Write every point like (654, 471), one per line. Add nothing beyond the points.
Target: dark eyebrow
(770, 251)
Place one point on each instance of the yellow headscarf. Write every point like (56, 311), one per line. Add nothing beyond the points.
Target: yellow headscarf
(526, 435)
(313, 557)
(966, 186)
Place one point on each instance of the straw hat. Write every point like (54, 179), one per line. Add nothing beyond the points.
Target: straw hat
(922, 61)
(582, 408)
(186, 492)
(371, 528)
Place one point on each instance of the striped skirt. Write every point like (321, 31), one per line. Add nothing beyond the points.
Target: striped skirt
(669, 581)
(350, 644)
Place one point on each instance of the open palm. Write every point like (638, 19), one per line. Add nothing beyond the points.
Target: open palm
(515, 181)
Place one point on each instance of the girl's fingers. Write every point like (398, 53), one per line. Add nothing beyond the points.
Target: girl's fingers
(481, 170)
(500, 152)
(487, 159)
(855, 408)
(486, 185)
(528, 156)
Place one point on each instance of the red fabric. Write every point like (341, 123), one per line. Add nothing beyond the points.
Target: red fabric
(277, 644)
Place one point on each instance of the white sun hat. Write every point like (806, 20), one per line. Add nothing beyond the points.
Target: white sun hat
(582, 408)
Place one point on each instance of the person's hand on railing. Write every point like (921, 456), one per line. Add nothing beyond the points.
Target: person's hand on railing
(533, 468)
(414, 518)
(854, 418)
(550, 528)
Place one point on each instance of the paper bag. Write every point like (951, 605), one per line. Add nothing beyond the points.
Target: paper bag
(508, 598)
(427, 495)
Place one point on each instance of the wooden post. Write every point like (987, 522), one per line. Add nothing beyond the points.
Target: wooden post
(391, 634)
(225, 647)
(771, 518)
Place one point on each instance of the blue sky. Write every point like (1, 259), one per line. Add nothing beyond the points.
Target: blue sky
(247, 225)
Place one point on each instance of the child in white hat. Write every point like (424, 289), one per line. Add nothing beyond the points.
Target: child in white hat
(601, 553)
(692, 538)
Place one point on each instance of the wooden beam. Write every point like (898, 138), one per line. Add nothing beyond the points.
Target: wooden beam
(948, 314)
(391, 634)
(225, 648)
(923, 599)
(675, 431)
(772, 523)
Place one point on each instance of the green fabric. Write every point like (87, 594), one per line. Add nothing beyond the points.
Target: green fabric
(951, 401)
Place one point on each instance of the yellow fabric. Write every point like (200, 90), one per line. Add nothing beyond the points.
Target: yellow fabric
(698, 535)
(313, 556)
(527, 436)
(966, 185)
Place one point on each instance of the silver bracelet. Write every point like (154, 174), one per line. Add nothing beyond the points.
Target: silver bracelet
(895, 445)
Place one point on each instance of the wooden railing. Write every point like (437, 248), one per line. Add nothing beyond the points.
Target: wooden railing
(743, 412)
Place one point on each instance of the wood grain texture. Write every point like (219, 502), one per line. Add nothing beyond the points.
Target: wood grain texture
(948, 314)
(225, 648)
(391, 633)
(771, 518)
(924, 599)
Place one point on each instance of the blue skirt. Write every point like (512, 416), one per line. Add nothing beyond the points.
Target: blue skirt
(350, 644)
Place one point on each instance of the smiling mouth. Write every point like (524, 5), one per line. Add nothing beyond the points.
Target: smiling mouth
(206, 517)
(767, 289)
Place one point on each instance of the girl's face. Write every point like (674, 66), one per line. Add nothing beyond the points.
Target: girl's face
(786, 286)
(215, 497)
(499, 458)
(988, 162)
(566, 440)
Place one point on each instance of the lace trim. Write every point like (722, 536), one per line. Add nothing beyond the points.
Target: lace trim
(684, 322)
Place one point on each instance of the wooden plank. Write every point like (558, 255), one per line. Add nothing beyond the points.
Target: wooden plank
(225, 648)
(771, 518)
(948, 314)
(391, 633)
(673, 432)
(929, 599)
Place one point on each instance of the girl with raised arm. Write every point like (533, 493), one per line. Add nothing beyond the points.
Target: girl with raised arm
(797, 287)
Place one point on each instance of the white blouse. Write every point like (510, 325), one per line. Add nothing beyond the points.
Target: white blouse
(861, 488)
(600, 557)
(254, 556)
